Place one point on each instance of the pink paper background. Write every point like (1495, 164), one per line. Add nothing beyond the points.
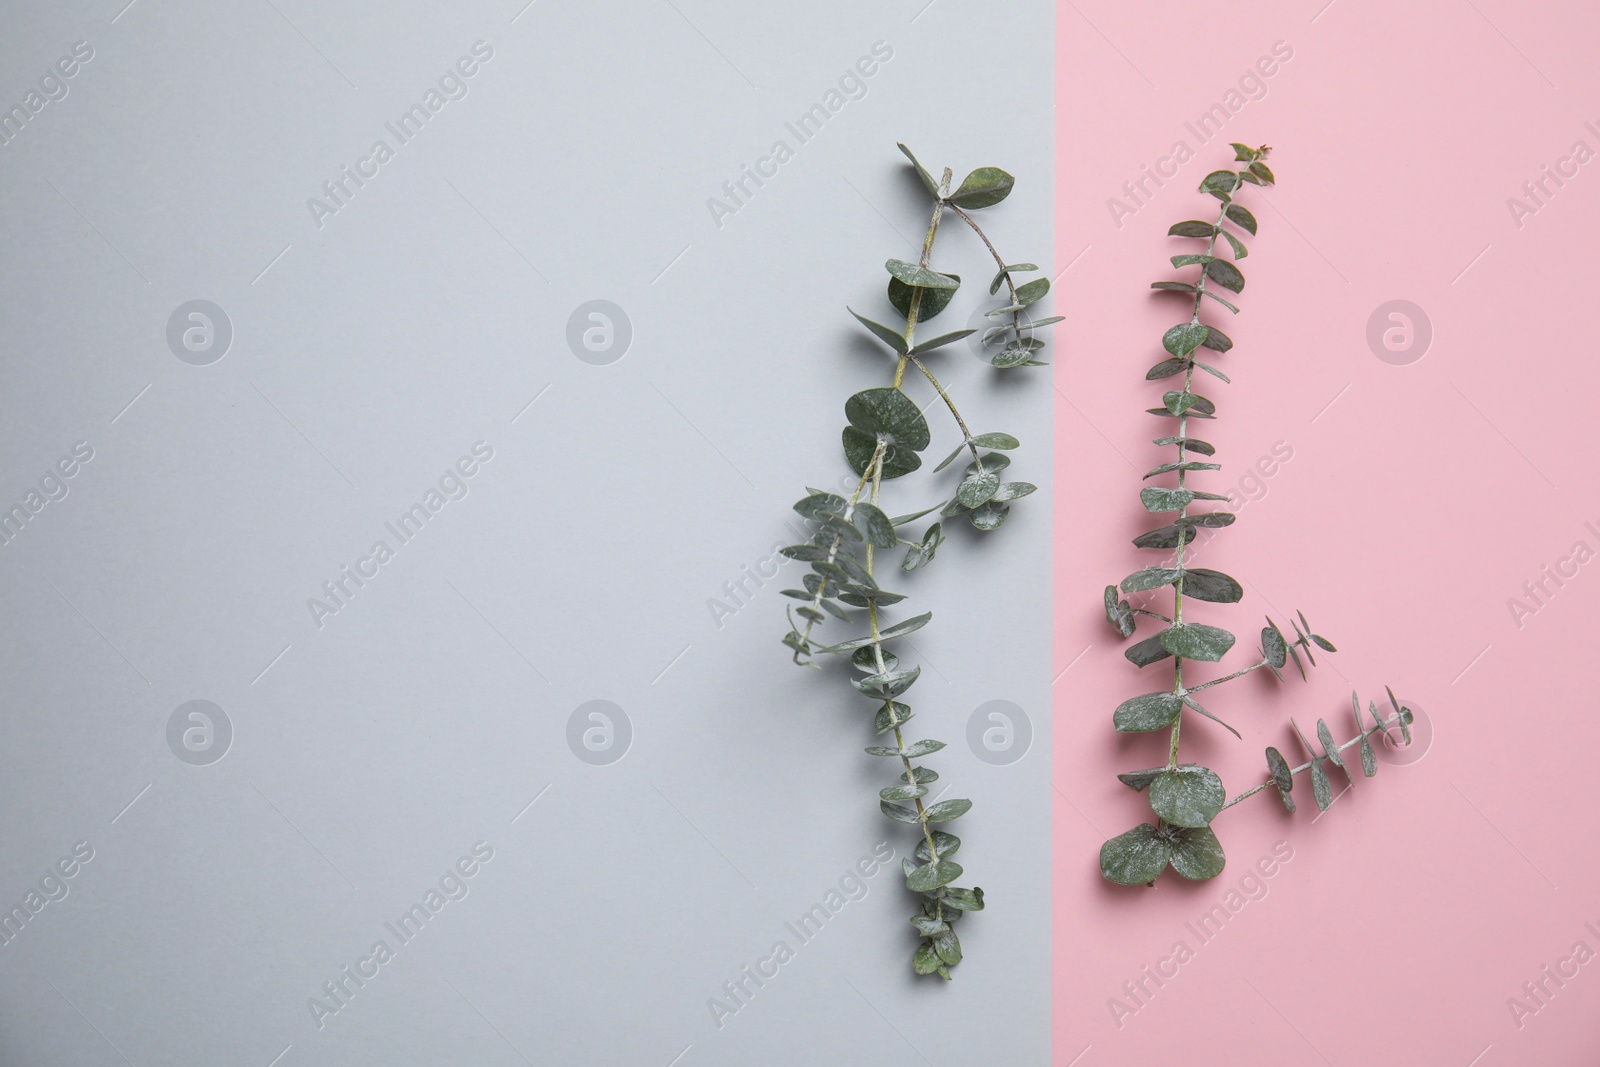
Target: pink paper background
(1413, 508)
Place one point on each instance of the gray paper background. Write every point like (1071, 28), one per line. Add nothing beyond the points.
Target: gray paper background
(430, 712)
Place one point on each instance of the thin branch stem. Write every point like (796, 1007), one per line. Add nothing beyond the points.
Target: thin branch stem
(1382, 727)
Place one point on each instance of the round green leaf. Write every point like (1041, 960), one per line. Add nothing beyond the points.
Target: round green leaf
(1184, 338)
(1197, 641)
(933, 300)
(930, 876)
(1135, 857)
(1197, 854)
(1189, 796)
(1211, 586)
(1149, 711)
(984, 187)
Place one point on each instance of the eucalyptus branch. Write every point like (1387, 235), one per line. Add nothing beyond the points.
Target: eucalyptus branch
(885, 435)
(1186, 797)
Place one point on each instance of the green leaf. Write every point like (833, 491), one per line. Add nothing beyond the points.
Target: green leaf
(1226, 275)
(1176, 287)
(1010, 491)
(876, 525)
(1184, 338)
(1033, 292)
(1282, 775)
(1194, 705)
(917, 275)
(888, 414)
(978, 488)
(1177, 401)
(1136, 857)
(929, 927)
(1273, 646)
(940, 341)
(1190, 260)
(903, 792)
(1157, 499)
(1165, 537)
(1150, 578)
(922, 172)
(1197, 854)
(948, 947)
(984, 187)
(886, 685)
(892, 338)
(1150, 711)
(947, 844)
(1242, 218)
(1221, 301)
(1191, 228)
(1261, 170)
(884, 721)
(926, 960)
(922, 748)
(1220, 181)
(933, 300)
(1146, 652)
(1166, 369)
(1187, 465)
(1118, 612)
(1138, 780)
(901, 520)
(1242, 152)
(1369, 764)
(1214, 587)
(930, 876)
(1326, 737)
(899, 629)
(1320, 789)
(996, 440)
(1239, 250)
(948, 810)
(899, 812)
(1188, 796)
(1209, 519)
(1196, 641)
(1216, 340)
(963, 899)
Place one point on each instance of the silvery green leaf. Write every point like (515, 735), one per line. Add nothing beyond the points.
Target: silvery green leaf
(1166, 369)
(1192, 228)
(1194, 705)
(1209, 369)
(1176, 287)
(1208, 519)
(835, 610)
(887, 410)
(1188, 444)
(886, 685)
(963, 899)
(996, 440)
(1273, 647)
(881, 750)
(1139, 780)
(1278, 767)
(1149, 711)
(947, 844)
(903, 792)
(940, 341)
(984, 187)
(1146, 652)
(1262, 171)
(1177, 401)
(899, 629)
(1369, 764)
(1197, 854)
(1150, 578)
(876, 525)
(899, 812)
(1242, 218)
(933, 300)
(922, 172)
(916, 275)
(1033, 292)
(883, 721)
(1323, 643)
(1220, 180)
(1239, 250)
(1320, 788)
(948, 810)
(989, 516)
(1157, 499)
(930, 876)
(866, 660)
(1188, 796)
(1165, 537)
(805, 553)
(993, 461)
(1196, 641)
(818, 505)
(1214, 587)
(1009, 491)
(1118, 612)
(1013, 355)
(948, 947)
(1190, 259)
(901, 520)
(893, 338)
(1242, 152)
(861, 597)
(1218, 299)
(926, 960)
(1226, 275)
(1326, 737)
(810, 613)
(922, 748)
(1187, 465)
(978, 488)
(1136, 857)
(1216, 340)
(926, 926)
(1184, 338)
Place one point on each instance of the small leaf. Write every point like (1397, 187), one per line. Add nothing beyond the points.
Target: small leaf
(922, 748)
(1176, 287)
(1009, 491)
(926, 960)
(1146, 652)
(1216, 340)
(922, 172)
(1214, 587)
(1326, 737)
(1184, 338)
(1242, 218)
(1166, 369)
(1139, 780)
(931, 876)
(1196, 641)
(1033, 292)
(1197, 854)
(1150, 578)
(1273, 647)
(1369, 764)
(1118, 612)
(948, 947)
(917, 275)
(1221, 301)
(978, 488)
(948, 810)
(1320, 789)
(1165, 537)
(897, 714)
(1192, 228)
(1226, 275)
(1220, 181)
(963, 899)
(947, 844)
(892, 338)
(984, 187)
(1157, 499)
(996, 440)
(1195, 706)
(1136, 857)
(1149, 711)
(1239, 250)
(1260, 170)
(899, 812)
(933, 300)
(940, 341)
(1188, 796)
(903, 792)
(876, 525)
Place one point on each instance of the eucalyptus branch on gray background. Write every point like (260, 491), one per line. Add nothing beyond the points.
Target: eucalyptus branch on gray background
(883, 439)
(1185, 797)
